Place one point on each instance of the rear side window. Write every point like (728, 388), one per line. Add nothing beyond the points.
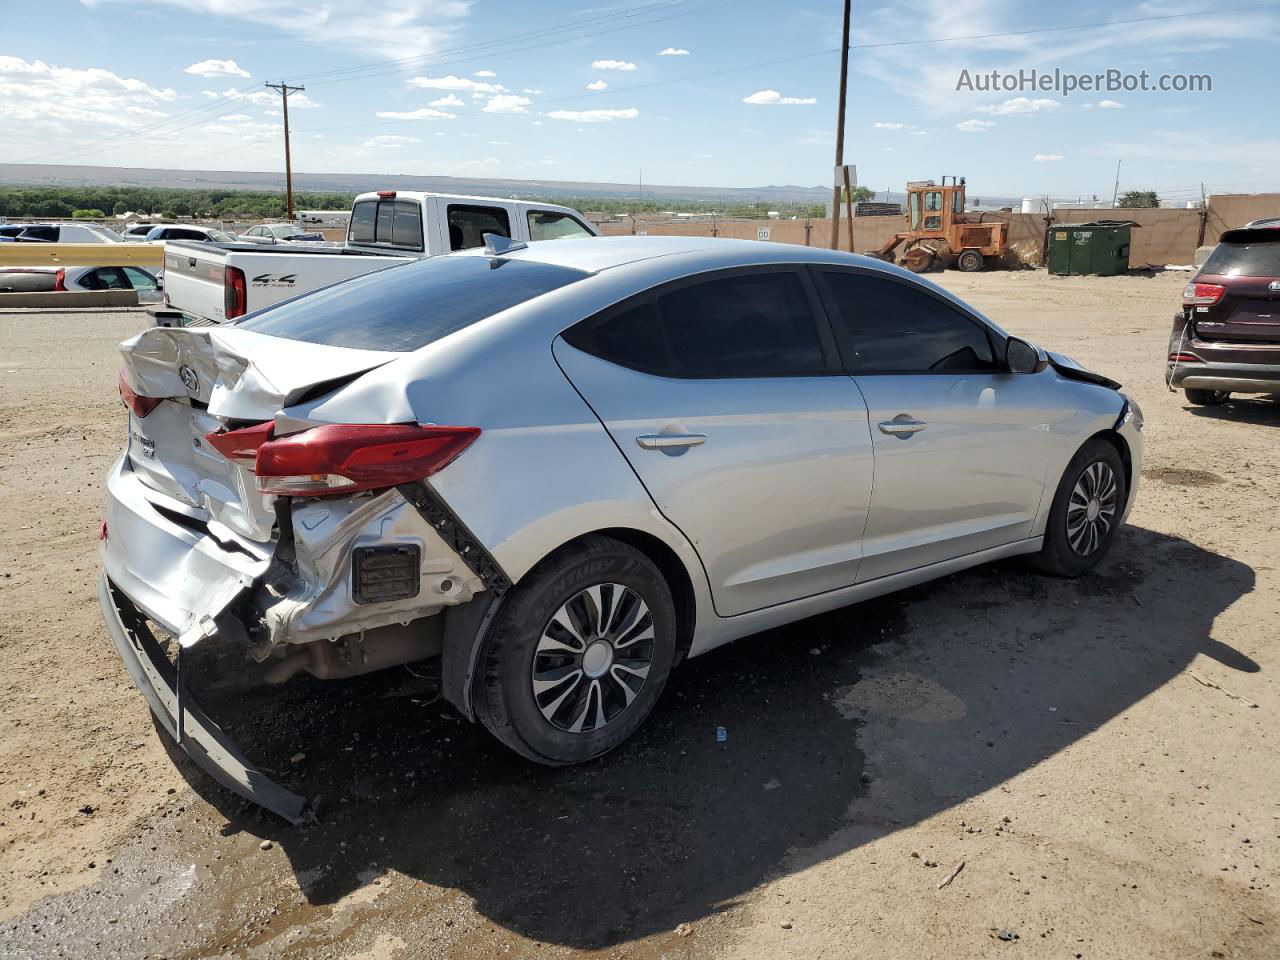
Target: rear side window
(744, 325)
(545, 225)
(468, 225)
(1260, 259)
(887, 326)
(105, 278)
(385, 223)
(406, 307)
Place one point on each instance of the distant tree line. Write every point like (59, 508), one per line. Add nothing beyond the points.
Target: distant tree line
(98, 202)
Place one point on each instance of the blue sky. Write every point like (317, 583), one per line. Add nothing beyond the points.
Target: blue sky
(739, 93)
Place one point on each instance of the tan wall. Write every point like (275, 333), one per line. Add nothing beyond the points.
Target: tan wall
(1228, 211)
(1162, 236)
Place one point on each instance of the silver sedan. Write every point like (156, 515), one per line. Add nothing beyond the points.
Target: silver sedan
(564, 467)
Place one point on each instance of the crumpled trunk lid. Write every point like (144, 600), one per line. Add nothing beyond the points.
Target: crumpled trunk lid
(217, 377)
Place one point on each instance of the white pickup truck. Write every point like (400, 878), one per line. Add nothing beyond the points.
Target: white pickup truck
(217, 282)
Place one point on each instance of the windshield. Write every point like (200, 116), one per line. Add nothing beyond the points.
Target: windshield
(1261, 259)
(406, 307)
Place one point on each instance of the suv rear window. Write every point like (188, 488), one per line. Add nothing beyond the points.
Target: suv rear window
(1260, 259)
(386, 223)
(406, 307)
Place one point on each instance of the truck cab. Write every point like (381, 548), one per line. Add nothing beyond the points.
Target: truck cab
(429, 224)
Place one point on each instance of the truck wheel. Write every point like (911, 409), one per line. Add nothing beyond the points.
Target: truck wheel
(1086, 511)
(1206, 398)
(969, 261)
(579, 653)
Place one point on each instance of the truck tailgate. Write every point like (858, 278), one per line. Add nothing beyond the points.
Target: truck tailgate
(196, 274)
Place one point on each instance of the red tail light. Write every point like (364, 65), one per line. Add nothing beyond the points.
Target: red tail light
(1202, 294)
(241, 445)
(60, 279)
(102, 530)
(233, 292)
(341, 458)
(136, 402)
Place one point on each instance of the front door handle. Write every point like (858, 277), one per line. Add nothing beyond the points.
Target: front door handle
(901, 426)
(667, 441)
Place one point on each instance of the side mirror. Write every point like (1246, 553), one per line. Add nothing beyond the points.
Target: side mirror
(1023, 357)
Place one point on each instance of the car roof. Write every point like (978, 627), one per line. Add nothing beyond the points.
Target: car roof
(424, 194)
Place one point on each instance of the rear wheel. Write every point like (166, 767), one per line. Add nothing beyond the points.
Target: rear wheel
(1086, 511)
(1206, 398)
(579, 653)
(969, 261)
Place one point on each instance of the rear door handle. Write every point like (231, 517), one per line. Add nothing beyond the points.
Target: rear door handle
(667, 441)
(901, 426)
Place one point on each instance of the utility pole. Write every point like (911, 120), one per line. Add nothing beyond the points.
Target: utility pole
(284, 90)
(844, 83)
(1116, 192)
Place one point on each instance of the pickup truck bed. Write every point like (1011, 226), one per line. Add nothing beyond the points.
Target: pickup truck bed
(221, 281)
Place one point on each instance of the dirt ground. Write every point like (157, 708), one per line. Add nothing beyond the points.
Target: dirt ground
(1093, 764)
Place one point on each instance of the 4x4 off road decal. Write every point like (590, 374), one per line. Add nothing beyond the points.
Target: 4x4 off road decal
(271, 280)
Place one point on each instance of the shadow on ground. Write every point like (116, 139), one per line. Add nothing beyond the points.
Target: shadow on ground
(1260, 411)
(674, 826)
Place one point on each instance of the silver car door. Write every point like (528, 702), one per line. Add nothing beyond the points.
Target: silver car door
(725, 395)
(960, 444)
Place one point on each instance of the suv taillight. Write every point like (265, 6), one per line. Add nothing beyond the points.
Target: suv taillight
(1202, 294)
(233, 292)
(60, 279)
(343, 458)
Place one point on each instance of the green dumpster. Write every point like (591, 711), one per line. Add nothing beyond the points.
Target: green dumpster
(1099, 248)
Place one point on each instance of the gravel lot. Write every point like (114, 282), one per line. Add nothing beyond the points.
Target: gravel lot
(1098, 758)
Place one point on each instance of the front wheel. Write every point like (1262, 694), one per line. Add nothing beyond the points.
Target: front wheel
(578, 654)
(1086, 511)
(1206, 398)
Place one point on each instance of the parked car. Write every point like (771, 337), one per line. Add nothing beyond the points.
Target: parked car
(563, 467)
(62, 233)
(280, 233)
(136, 232)
(219, 282)
(1226, 339)
(187, 231)
(51, 279)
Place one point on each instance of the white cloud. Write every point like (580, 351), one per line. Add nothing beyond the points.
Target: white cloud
(448, 101)
(594, 116)
(887, 125)
(597, 85)
(975, 126)
(390, 28)
(35, 92)
(771, 97)
(673, 52)
(1110, 105)
(623, 65)
(217, 68)
(390, 140)
(1019, 105)
(484, 73)
(532, 92)
(1046, 158)
(499, 143)
(456, 83)
(507, 103)
(262, 98)
(422, 113)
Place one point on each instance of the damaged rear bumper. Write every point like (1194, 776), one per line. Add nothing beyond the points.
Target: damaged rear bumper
(160, 681)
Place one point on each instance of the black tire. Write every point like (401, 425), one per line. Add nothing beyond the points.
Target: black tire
(1063, 543)
(504, 697)
(970, 261)
(1206, 398)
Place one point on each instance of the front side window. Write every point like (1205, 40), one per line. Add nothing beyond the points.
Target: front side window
(545, 225)
(743, 325)
(140, 279)
(890, 326)
(468, 225)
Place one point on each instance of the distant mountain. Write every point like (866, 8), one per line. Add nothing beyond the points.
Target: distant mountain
(60, 175)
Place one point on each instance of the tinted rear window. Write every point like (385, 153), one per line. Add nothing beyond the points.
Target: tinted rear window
(407, 307)
(383, 223)
(1260, 259)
